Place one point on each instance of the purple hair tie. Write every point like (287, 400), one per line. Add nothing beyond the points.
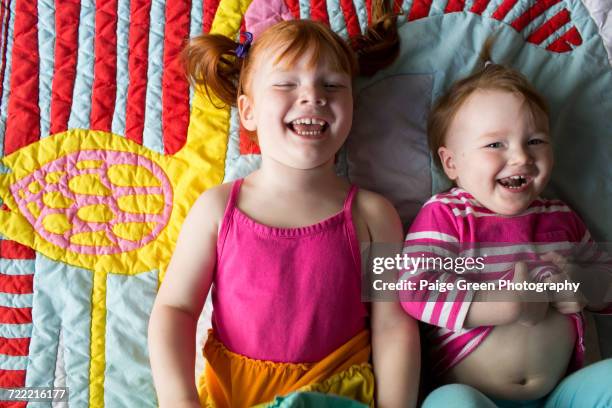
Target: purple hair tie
(243, 48)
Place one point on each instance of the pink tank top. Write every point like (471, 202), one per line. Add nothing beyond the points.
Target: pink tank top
(287, 294)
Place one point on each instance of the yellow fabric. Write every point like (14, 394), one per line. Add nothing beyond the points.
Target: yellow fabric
(186, 175)
(233, 380)
(98, 341)
(209, 124)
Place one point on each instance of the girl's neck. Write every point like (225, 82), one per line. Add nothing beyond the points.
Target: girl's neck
(277, 177)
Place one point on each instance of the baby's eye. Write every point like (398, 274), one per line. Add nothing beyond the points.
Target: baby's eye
(536, 141)
(284, 85)
(495, 145)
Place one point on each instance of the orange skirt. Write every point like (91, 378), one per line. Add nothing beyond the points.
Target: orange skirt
(233, 380)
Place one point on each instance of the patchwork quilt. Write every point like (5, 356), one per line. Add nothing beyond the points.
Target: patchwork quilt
(104, 148)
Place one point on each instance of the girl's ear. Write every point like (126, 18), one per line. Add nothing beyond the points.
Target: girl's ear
(247, 113)
(448, 162)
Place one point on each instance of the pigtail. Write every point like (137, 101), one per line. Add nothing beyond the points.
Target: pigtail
(493, 72)
(380, 45)
(484, 59)
(210, 61)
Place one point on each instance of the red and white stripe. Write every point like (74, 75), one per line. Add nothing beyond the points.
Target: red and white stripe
(16, 283)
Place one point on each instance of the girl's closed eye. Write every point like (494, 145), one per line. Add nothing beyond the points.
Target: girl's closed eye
(334, 86)
(284, 85)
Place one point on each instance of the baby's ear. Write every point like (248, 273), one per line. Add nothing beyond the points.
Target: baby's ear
(247, 113)
(448, 162)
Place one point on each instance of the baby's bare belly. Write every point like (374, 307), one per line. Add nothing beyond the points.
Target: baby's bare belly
(517, 361)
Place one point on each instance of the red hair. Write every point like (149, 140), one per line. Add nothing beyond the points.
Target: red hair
(210, 59)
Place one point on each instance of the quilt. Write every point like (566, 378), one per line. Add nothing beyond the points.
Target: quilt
(104, 148)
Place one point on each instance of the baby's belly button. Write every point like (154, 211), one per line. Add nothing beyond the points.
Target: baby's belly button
(517, 361)
(509, 381)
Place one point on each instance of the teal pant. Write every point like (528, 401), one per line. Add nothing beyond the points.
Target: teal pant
(590, 387)
(314, 400)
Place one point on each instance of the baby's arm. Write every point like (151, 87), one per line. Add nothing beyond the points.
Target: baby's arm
(172, 327)
(585, 263)
(435, 235)
(496, 308)
(395, 335)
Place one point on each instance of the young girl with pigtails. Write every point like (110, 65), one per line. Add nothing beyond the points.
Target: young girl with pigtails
(494, 347)
(280, 249)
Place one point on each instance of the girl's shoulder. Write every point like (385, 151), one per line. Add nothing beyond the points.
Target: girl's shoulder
(378, 216)
(211, 204)
(372, 203)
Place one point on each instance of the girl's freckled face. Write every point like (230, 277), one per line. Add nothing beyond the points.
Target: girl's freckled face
(302, 114)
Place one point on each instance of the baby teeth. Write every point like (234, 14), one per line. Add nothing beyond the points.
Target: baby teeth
(513, 182)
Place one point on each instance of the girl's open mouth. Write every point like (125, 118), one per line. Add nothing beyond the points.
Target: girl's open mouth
(515, 183)
(308, 127)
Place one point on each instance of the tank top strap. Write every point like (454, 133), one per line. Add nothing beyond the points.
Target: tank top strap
(233, 198)
(350, 197)
(350, 226)
(227, 216)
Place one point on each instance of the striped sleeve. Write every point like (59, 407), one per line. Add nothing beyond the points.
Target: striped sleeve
(596, 266)
(432, 242)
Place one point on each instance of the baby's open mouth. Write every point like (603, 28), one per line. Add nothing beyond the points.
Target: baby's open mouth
(514, 182)
(308, 127)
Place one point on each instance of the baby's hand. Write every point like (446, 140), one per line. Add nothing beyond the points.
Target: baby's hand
(566, 302)
(533, 310)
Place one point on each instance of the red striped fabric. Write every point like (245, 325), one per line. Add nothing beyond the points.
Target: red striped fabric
(137, 67)
(534, 11)
(105, 71)
(419, 9)
(13, 404)
(454, 5)
(4, 22)
(23, 118)
(247, 143)
(294, 7)
(210, 9)
(66, 44)
(14, 347)
(479, 6)
(369, 10)
(318, 11)
(549, 27)
(14, 250)
(397, 6)
(565, 42)
(12, 378)
(242, 28)
(175, 88)
(2, 15)
(350, 17)
(15, 315)
(503, 9)
(16, 284)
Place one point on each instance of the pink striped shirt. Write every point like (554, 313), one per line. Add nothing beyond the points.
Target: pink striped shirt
(453, 225)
